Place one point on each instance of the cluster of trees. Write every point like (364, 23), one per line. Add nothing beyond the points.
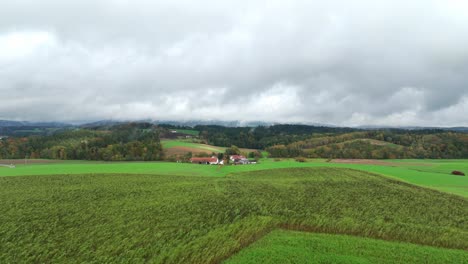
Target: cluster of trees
(331, 142)
(262, 137)
(132, 141)
(24, 131)
(378, 145)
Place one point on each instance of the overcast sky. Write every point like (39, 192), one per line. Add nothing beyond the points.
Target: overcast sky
(395, 62)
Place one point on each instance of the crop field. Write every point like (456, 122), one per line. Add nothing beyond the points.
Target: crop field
(282, 246)
(117, 217)
(434, 174)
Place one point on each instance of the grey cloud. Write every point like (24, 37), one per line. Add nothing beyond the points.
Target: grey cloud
(336, 62)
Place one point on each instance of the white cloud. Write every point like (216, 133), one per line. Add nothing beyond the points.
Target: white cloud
(17, 45)
(337, 62)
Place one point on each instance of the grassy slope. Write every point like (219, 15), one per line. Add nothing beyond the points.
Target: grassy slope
(188, 132)
(436, 176)
(366, 140)
(171, 143)
(157, 218)
(283, 246)
(180, 143)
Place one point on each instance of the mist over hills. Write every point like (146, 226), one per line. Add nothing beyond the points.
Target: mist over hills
(11, 123)
(192, 123)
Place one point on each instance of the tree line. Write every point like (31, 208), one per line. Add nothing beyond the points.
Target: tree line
(126, 142)
(141, 141)
(262, 137)
(378, 145)
(335, 142)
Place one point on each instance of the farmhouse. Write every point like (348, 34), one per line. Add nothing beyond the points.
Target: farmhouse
(235, 158)
(212, 161)
(239, 159)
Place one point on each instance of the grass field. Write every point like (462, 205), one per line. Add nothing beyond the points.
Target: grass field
(183, 146)
(187, 144)
(434, 174)
(184, 219)
(188, 132)
(281, 246)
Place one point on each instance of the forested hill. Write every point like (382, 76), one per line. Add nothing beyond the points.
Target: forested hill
(141, 141)
(131, 141)
(386, 144)
(336, 142)
(263, 136)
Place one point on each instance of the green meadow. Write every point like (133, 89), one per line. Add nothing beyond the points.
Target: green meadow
(433, 174)
(282, 246)
(189, 144)
(188, 132)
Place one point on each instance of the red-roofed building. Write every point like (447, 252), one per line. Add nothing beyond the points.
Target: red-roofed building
(236, 157)
(239, 159)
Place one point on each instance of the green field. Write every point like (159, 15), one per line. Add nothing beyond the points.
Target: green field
(436, 175)
(284, 247)
(157, 212)
(185, 219)
(188, 132)
(188, 144)
(191, 145)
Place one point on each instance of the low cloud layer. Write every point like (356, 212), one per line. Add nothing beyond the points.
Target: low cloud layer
(334, 62)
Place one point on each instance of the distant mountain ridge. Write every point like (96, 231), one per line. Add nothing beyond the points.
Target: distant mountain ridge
(10, 123)
(192, 123)
(456, 129)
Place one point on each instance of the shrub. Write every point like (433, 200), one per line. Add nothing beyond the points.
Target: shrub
(459, 173)
(300, 159)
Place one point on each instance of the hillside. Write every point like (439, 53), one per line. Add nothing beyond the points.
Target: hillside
(124, 142)
(176, 149)
(181, 147)
(141, 141)
(378, 145)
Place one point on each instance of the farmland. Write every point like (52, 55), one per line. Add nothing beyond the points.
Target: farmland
(188, 132)
(282, 246)
(230, 132)
(115, 217)
(181, 146)
(280, 209)
(108, 193)
(434, 174)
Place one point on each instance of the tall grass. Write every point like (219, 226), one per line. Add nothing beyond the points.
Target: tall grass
(436, 175)
(180, 219)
